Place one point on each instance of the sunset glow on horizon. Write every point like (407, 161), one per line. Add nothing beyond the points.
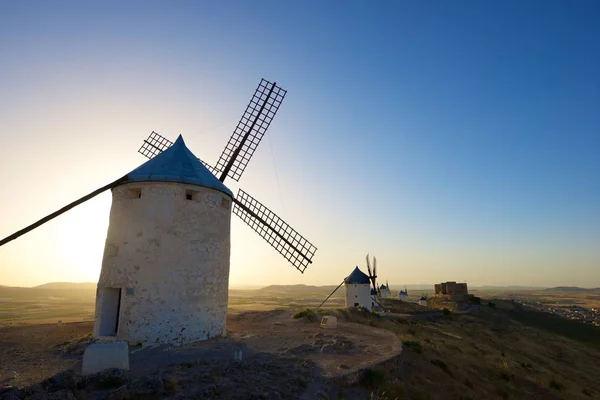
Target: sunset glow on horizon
(455, 143)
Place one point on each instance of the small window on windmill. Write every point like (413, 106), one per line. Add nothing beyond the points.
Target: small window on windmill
(191, 195)
(134, 193)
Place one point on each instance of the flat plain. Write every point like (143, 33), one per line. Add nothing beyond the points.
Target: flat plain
(495, 352)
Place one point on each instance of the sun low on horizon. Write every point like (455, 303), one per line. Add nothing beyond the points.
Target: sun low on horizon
(449, 148)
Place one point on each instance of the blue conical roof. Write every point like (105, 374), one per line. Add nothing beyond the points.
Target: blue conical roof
(357, 277)
(177, 164)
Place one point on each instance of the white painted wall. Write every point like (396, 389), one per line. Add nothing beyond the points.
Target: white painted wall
(385, 293)
(360, 294)
(170, 256)
(423, 303)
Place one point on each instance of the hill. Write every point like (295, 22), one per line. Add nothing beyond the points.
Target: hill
(66, 285)
(297, 289)
(571, 289)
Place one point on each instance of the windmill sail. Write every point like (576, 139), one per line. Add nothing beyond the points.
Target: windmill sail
(156, 144)
(62, 210)
(250, 130)
(287, 241)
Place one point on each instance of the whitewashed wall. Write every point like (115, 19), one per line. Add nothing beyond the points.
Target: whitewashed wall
(170, 256)
(358, 293)
(385, 293)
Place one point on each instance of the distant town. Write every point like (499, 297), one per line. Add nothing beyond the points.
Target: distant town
(572, 312)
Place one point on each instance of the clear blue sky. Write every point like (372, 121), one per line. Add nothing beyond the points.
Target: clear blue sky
(453, 140)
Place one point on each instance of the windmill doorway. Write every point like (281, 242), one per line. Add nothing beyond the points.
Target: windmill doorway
(109, 311)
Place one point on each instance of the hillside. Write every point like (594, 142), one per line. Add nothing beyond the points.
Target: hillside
(66, 285)
(571, 289)
(297, 289)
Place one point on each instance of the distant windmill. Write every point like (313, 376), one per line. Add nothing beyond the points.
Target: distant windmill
(165, 269)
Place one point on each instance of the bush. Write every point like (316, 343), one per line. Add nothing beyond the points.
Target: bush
(302, 382)
(373, 377)
(556, 385)
(446, 311)
(413, 345)
(491, 305)
(442, 366)
(308, 314)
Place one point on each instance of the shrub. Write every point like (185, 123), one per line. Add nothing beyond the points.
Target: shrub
(308, 314)
(446, 311)
(413, 345)
(556, 385)
(491, 305)
(442, 366)
(373, 377)
(171, 386)
(302, 382)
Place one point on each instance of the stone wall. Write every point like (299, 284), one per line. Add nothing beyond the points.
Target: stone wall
(169, 256)
(457, 291)
(358, 293)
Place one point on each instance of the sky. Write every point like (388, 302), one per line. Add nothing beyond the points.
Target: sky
(452, 140)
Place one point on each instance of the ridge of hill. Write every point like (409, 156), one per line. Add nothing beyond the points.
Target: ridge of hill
(67, 285)
(571, 289)
(298, 288)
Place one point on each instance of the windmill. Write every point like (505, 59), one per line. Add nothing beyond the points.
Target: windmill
(233, 161)
(165, 269)
(357, 288)
(373, 275)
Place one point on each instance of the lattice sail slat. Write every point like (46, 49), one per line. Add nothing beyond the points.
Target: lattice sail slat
(250, 130)
(287, 241)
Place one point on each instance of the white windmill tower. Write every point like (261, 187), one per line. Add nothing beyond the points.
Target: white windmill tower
(165, 270)
(358, 290)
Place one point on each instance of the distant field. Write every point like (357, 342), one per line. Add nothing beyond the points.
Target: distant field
(51, 303)
(557, 298)
(33, 306)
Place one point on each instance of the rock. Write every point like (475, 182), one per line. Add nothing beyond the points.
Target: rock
(33, 392)
(275, 395)
(107, 379)
(150, 386)
(5, 389)
(10, 396)
(61, 395)
(62, 380)
(11, 375)
(121, 393)
(100, 356)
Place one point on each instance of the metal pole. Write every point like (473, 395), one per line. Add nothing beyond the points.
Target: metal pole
(335, 290)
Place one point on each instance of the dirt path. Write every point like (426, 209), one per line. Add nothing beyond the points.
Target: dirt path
(269, 341)
(31, 353)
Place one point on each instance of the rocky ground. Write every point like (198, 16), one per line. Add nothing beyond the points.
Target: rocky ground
(282, 358)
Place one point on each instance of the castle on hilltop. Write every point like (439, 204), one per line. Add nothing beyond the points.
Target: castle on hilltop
(452, 290)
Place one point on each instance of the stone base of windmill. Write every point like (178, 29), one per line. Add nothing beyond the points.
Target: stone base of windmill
(105, 355)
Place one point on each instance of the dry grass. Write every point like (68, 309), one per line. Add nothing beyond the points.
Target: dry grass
(487, 354)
